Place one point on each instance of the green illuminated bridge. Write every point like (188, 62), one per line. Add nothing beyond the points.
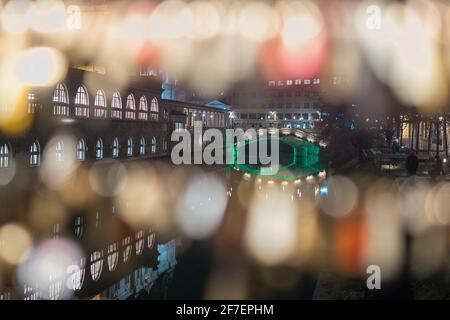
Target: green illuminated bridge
(298, 158)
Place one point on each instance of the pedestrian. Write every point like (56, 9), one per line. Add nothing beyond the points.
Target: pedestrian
(395, 145)
(412, 163)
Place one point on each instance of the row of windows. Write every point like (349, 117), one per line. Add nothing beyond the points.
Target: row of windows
(96, 267)
(277, 116)
(289, 105)
(81, 102)
(35, 150)
(97, 259)
(297, 82)
(209, 119)
(112, 259)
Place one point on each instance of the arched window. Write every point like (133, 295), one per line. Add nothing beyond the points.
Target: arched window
(35, 154)
(113, 256)
(115, 148)
(154, 109)
(77, 277)
(142, 146)
(5, 295)
(100, 105)
(151, 237)
(130, 147)
(96, 264)
(153, 145)
(59, 151)
(116, 106)
(4, 156)
(82, 102)
(127, 246)
(79, 226)
(99, 149)
(140, 241)
(130, 112)
(60, 100)
(60, 94)
(81, 150)
(143, 108)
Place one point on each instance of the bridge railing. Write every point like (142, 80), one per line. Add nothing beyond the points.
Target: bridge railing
(303, 134)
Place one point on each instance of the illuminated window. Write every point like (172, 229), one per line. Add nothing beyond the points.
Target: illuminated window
(77, 277)
(99, 100)
(4, 156)
(298, 82)
(142, 146)
(82, 102)
(81, 97)
(32, 103)
(35, 154)
(60, 100)
(81, 150)
(56, 230)
(154, 109)
(30, 293)
(143, 108)
(56, 285)
(289, 82)
(271, 83)
(316, 81)
(139, 242)
(5, 295)
(130, 147)
(96, 264)
(59, 151)
(60, 94)
(151, 239)
(146, 72)
(116, 106)
(113, 256)
(179, 126)
(99, 149)
(127, 246)
(78, 226)
(115, 148)
(164, 143)
(130, 108)
(153, 145)
(307, 82)
(100, 105)
(98, 219)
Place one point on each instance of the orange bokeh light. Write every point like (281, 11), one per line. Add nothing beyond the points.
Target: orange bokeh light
(350, 240)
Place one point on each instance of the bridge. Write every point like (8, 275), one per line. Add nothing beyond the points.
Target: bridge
(300, 159)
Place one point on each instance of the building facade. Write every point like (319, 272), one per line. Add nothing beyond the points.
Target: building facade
(291, 103)
(103, 124)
